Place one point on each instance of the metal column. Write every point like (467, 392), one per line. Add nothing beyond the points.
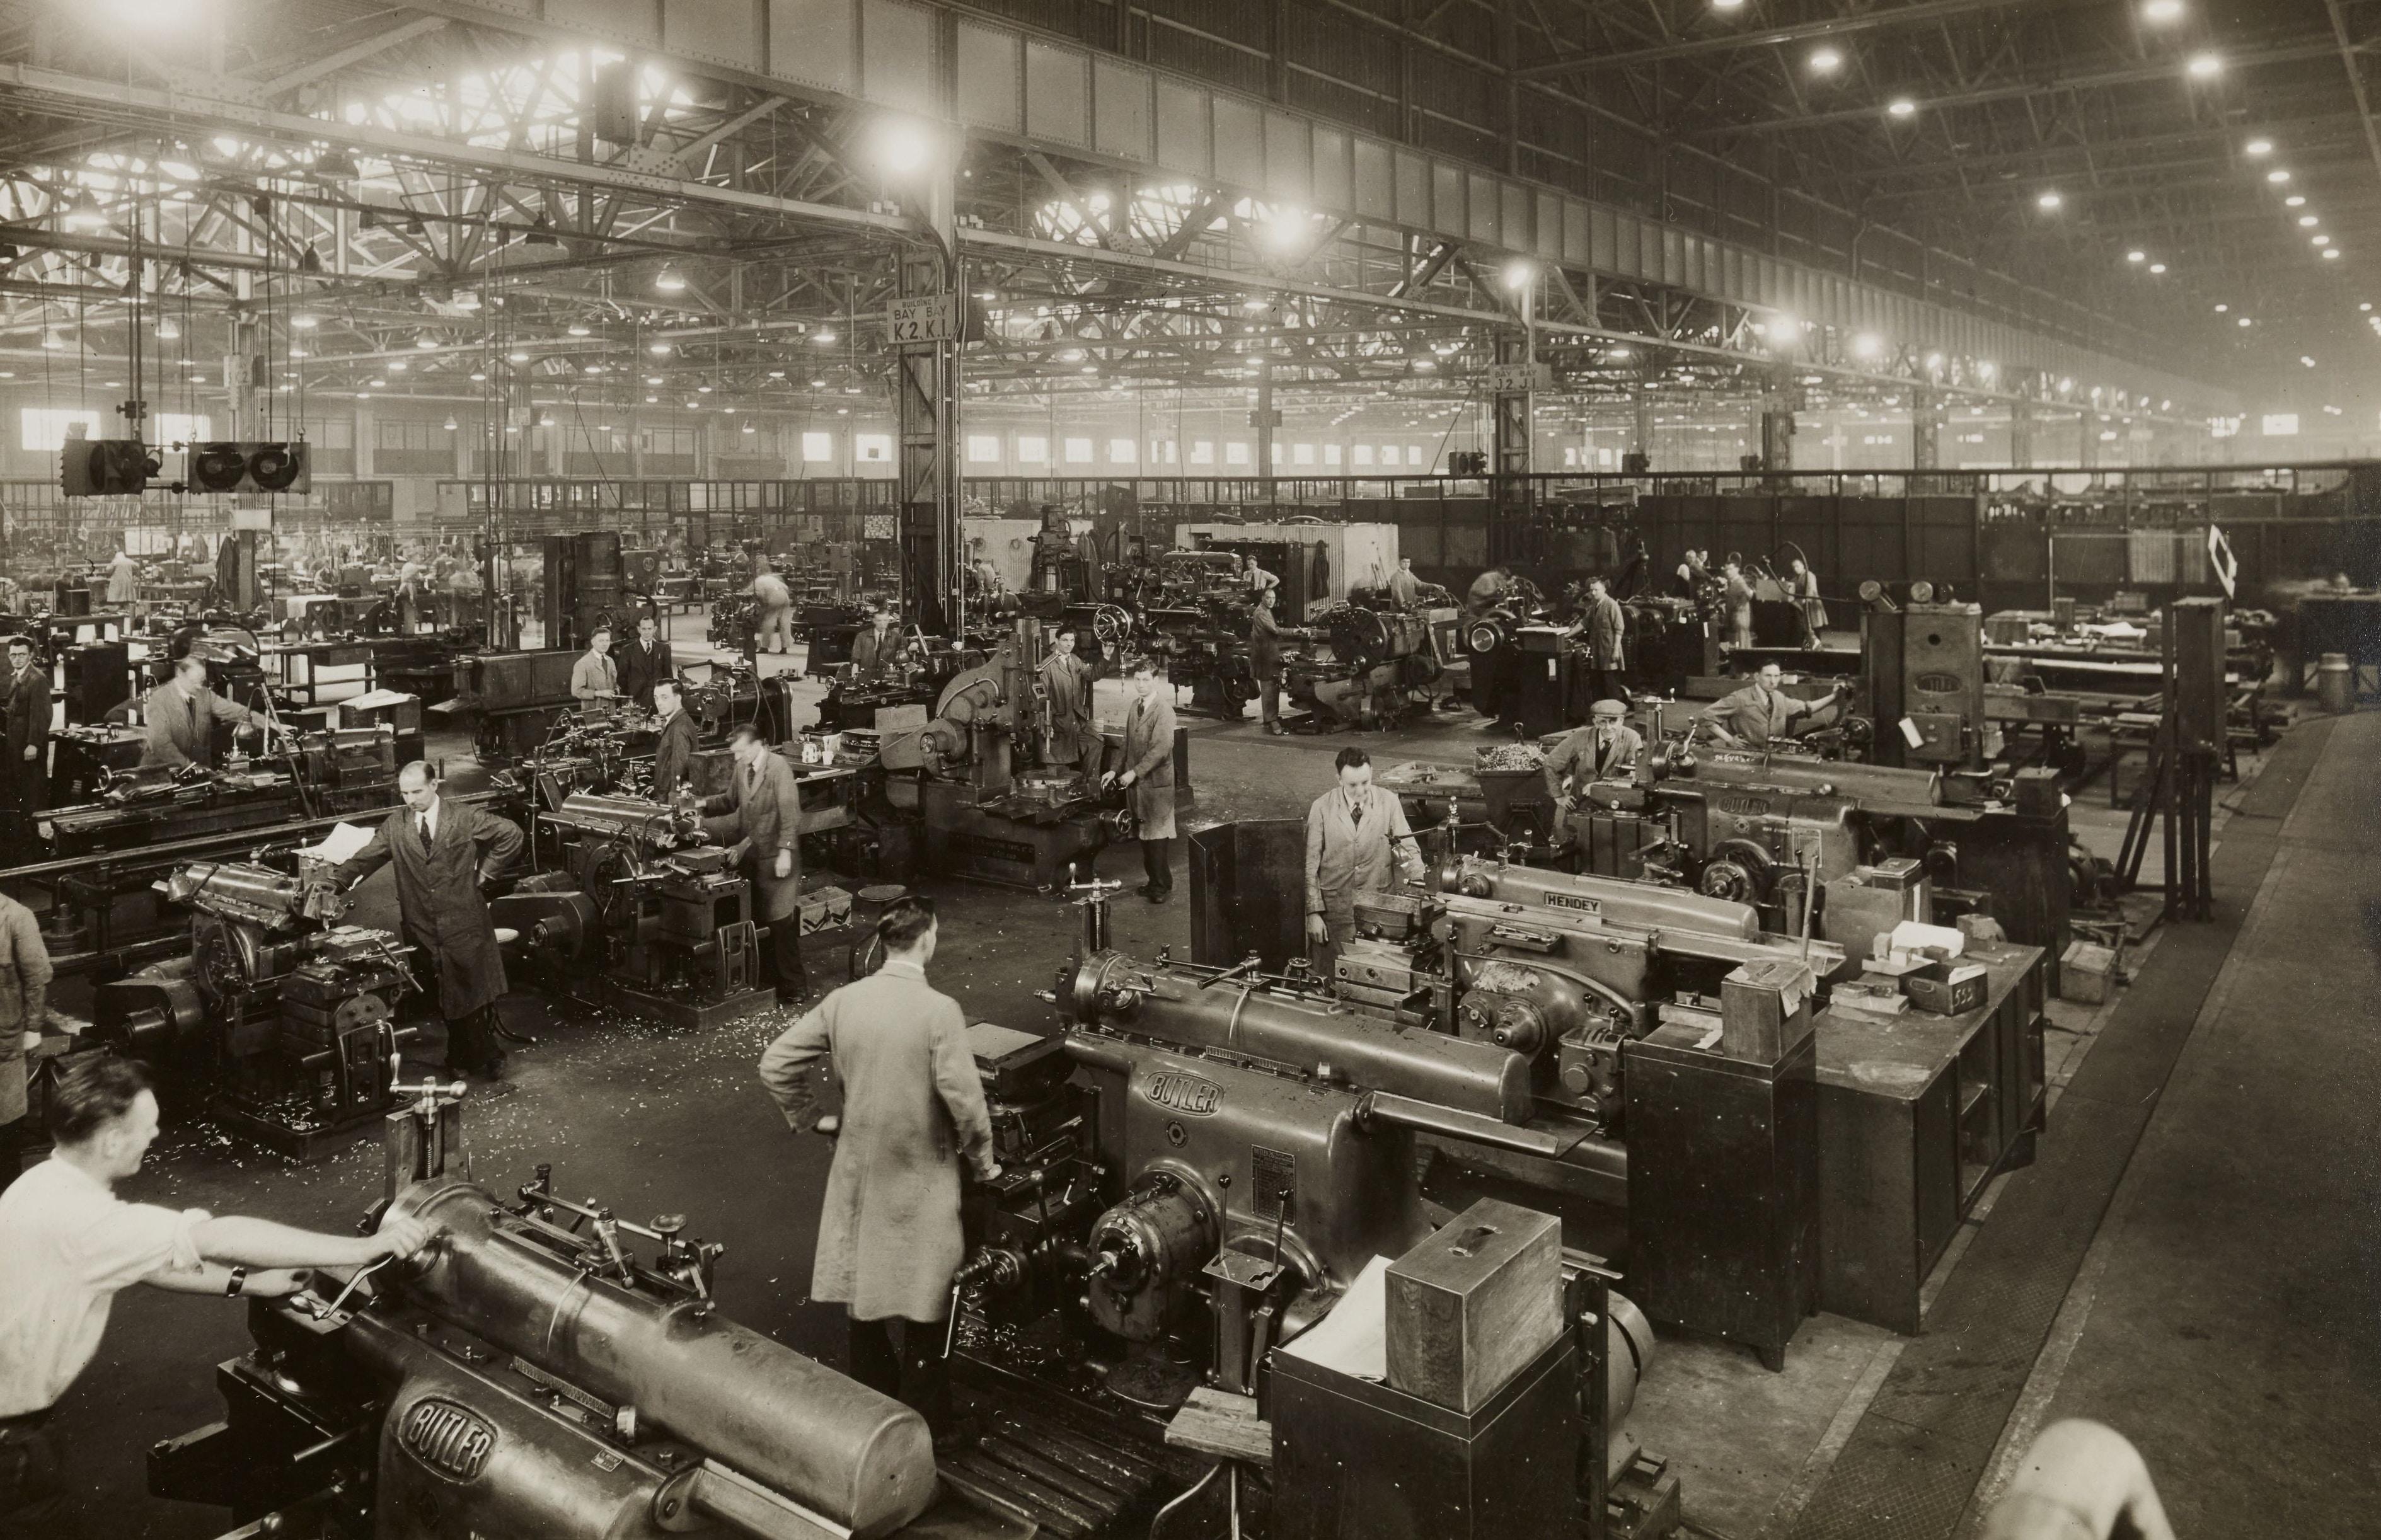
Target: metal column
(1511, 492)
(1779, 402)
(926, 383)
(1925, 429)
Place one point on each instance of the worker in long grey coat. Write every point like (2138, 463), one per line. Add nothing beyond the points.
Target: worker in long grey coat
(445, 853)
(1146, 773)
(763, 810)
(1066, 686)
(1357, 842)
(889, 1242)
(1603, 627)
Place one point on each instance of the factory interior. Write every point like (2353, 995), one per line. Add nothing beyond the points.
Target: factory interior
(974, 769)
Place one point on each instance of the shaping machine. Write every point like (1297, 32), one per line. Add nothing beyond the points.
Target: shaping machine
(286, 1014)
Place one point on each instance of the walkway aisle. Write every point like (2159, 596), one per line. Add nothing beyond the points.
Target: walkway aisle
(2229, 1316)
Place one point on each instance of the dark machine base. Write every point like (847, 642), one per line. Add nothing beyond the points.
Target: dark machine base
(673, 1010)
(304, 1145)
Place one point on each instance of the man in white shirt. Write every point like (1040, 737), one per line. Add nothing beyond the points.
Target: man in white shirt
(68, 1243)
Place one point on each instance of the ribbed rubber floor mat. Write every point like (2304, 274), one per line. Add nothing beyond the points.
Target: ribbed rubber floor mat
(1913, 1463)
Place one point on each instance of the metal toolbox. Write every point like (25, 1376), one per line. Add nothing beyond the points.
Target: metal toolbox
(1473, 1305)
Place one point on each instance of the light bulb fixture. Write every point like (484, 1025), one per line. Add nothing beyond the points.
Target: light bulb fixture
(2162, 11)
(2258, 147)
(2278, 176)
(450, 424)
(576, 328)
(304, 323)
(2157, 267)
(425, 341)
(670, 281)
(2204, 66)
(1902, 106)
(168, 328)
(658, 349)
(1518, 275)
(2049, 201)
(517, 357)
(2137, 256)
(823, 335)
(1825, 61)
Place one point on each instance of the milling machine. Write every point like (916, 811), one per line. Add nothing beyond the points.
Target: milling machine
(638, 914)
(1377, 656)
(995, 808)
(285, 1014)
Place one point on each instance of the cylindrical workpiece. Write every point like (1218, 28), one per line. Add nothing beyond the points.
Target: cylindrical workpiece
(829, 1443)
(1312, 1036)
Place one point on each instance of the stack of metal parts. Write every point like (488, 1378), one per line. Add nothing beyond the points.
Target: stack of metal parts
(284, 1015)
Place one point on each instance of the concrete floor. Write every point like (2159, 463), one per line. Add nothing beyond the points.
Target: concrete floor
(2229, 1322)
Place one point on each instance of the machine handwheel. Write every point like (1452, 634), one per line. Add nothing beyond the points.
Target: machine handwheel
(1729, 879)
(1111, 624)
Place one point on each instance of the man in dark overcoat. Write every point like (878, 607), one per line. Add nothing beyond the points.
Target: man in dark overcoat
(447, 853)
(761, 809)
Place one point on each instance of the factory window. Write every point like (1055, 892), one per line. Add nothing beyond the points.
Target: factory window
(1280, 451)
(1165, 451)
(1389, 454)
(1078, 451)
(1302, 453)
(173, 427)
(1123, 451)
(872, 449)
(1570, 457)
(45, 427)
(1416, 454)
(2277, 425)
(817, 448)
(1331, 454)
(1363, 454)
(983, 449)
(1236, 452)
(1203, 451)
(1033, 449)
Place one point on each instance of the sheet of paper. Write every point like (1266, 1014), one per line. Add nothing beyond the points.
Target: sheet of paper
(1354, 1339)
(1910, 936)
(341, 844)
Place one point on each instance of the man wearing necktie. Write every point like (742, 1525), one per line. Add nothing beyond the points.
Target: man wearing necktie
(24, 748)
(1147, 776)
(762, 813)
(1761, 714)
(595, 678)
(446, 854)
(1355, 833)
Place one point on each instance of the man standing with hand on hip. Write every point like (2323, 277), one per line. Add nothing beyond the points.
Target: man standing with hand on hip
(889, 1243)
(447, 855)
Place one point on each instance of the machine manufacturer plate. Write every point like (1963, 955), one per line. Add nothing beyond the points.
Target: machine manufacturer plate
(1272, 1175)
(1937, 684)
(451, 1439)
(1187, 1095)
(1744, 807)
(1568, 901)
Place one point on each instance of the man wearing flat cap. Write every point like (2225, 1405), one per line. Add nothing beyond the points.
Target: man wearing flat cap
(1606, 750)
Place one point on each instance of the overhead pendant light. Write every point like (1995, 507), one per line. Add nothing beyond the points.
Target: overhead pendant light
(670, 281)
(450, 424)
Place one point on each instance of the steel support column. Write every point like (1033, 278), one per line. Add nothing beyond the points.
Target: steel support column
(1780, 400)
(1511, 492)
(1925, 428)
